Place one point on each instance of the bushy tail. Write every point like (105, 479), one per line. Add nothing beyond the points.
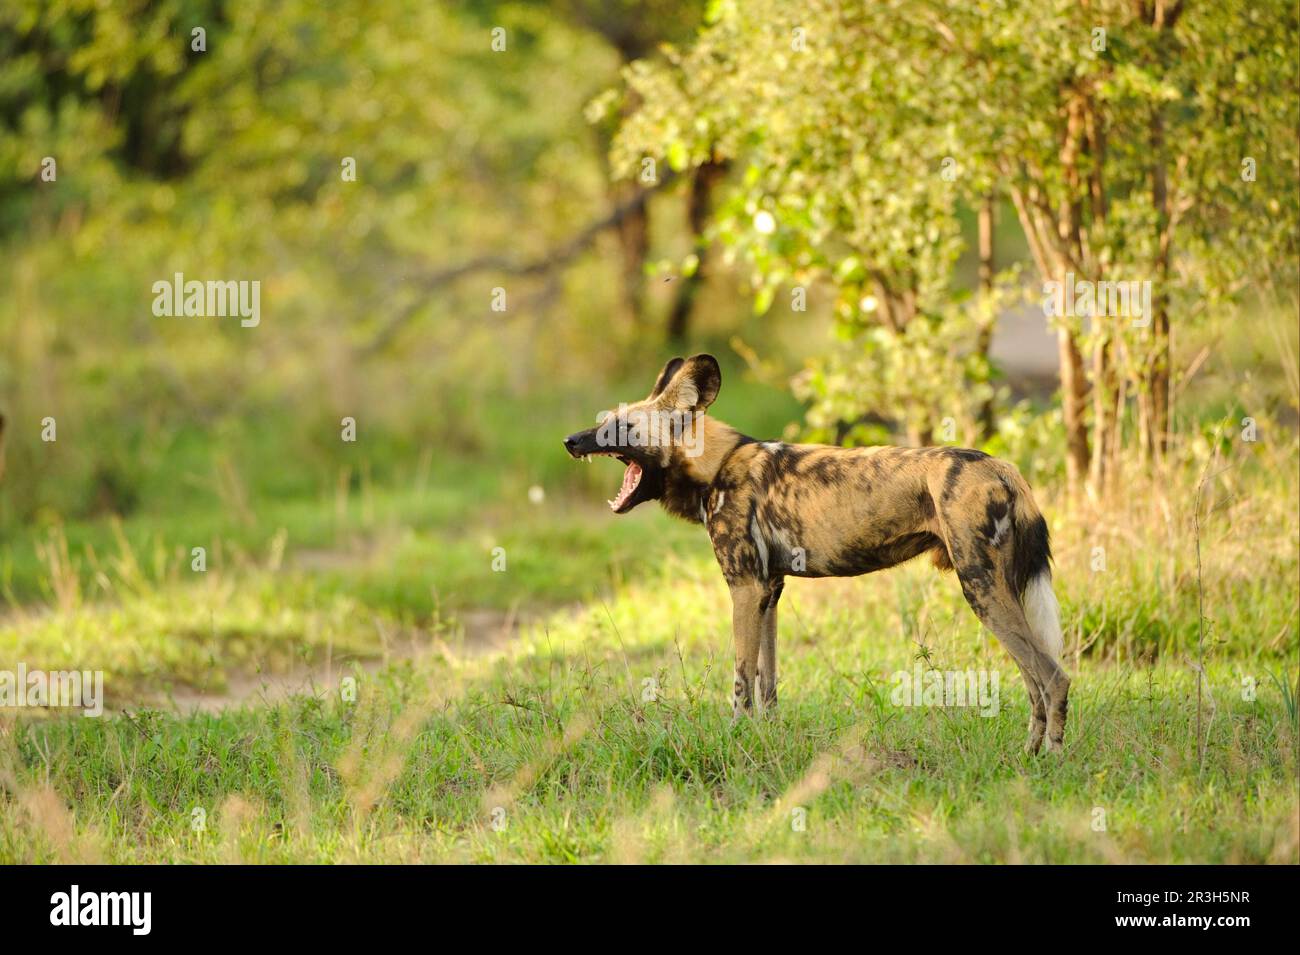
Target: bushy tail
(1044, 614)
(1031, 573)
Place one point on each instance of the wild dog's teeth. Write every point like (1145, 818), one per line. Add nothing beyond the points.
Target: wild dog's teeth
(631, 478)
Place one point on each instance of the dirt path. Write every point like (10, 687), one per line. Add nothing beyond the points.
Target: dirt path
(478, 632)
(1026, 348)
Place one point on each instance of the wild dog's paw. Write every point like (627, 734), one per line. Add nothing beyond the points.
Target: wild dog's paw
(764, 693)
(742, 698)
(1037, 733)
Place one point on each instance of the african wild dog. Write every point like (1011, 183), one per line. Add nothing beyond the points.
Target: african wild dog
(775, 510)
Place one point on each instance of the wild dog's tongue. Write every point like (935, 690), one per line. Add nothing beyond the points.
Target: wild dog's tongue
(631, 478)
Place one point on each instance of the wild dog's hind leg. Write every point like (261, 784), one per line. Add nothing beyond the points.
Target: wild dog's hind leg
(1049, 687)
(765, 688)
(995, 536)
(1037, 710)
(746, 624)
(986, 584)
(1043, 614)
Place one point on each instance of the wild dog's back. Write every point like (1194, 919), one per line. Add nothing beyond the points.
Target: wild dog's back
(819, 510)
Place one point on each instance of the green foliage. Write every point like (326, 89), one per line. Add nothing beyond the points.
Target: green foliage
(864, 126)
(227, 164)
(835, 190)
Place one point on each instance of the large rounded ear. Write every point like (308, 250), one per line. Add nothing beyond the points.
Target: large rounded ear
(666, 376)
(697, 384)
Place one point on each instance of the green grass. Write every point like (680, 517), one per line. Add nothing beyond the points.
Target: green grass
(375, 568)
(557, 738)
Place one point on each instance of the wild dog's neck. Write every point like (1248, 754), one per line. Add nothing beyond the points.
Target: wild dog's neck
(689, 474)
(718, 440)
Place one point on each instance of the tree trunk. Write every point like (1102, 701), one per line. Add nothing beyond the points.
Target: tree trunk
(1159, 394)
(1074, 398)
(699, 205)
(634, 241)
(984, 340)
(1074, 384)
(1105, 414)
(1052, 266)
(1157, 378)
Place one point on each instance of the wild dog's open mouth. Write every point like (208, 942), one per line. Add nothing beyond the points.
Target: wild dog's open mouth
(623, 500)
(643, 477)
(631, 479)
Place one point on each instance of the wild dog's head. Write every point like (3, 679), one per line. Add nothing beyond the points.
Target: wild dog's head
(654, 435)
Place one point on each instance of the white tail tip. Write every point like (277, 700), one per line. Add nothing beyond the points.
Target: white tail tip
(1044, 614)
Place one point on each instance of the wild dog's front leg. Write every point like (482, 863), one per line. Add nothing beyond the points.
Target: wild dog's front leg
(746, 626)
(765, 690)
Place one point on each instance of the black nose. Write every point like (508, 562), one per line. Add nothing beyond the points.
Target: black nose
(571, 442)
